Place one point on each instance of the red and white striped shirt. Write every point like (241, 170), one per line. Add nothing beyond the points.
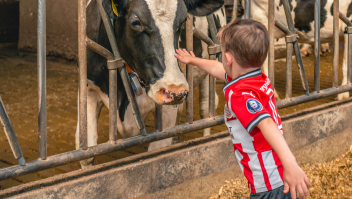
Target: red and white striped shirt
(250, 99)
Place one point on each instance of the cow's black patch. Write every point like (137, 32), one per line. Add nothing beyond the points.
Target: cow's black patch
(203, 7)
(277, 8)
(304, 14)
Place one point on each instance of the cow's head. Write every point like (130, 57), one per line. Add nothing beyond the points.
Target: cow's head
(147, 32)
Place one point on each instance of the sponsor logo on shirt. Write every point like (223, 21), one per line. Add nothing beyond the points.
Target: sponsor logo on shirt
(265, 85)
(253, 105)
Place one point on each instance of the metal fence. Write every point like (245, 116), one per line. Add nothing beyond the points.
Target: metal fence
(116, 64)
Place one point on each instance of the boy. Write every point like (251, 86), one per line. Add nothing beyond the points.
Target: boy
(250, 112)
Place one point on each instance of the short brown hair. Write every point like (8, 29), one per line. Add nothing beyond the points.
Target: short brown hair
(247, 40)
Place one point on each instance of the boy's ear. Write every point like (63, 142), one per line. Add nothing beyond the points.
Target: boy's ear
(229, 58)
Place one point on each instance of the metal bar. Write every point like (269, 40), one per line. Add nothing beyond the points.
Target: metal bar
(349, 58)
(247, 10)
(76, 155)
(345, 19)
(313, 96)
(189, 69)
(349, 46)
(124, 74)
(113, 105)
(296, 47)
(202, 37)
(271, 55)
(289, 48)
(99, 49)
(282, 27)
(336, 13)
(158, 118)
(10, 134)
(82, 63)
(213, 29)
(212, 85)
(317, 46)
(41, 63)
(234, 10)
(212, 82)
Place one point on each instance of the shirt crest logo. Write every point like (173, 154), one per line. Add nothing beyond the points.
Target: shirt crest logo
(253, 105)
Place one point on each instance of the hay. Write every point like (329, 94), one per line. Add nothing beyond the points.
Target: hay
(328, 180)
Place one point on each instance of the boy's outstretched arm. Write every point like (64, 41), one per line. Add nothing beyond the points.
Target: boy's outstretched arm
(294, 176)
(212, 67)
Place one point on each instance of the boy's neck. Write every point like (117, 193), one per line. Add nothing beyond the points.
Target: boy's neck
(238, 71)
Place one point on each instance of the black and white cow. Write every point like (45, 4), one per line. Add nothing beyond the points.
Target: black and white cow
(147, 32)
(302, 12)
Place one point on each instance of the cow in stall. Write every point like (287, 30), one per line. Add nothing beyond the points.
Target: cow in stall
(147, 32)
(303, 17)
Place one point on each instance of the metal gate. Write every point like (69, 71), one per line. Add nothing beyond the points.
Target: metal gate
(115, 63)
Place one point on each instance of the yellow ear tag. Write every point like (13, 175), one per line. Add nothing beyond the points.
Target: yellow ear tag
(114, 8)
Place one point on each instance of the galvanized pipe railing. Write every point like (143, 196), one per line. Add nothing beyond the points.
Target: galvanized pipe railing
(317, 46)
(271, 54)
(122, 69)
(10, 134)
(247, 10)
(76, 155)
(336, 43)
(349, 53)
(290, 39)
(158, 118)
(189, 69)
(213, 51)
(296, 47)
(82, 64)
(41, 62)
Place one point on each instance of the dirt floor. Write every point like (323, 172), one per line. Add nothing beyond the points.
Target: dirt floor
(328, 180)
(18, 89)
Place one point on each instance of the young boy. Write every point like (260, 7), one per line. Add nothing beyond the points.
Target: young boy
(250, 112)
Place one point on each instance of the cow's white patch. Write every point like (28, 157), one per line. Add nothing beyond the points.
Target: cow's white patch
(164, 13)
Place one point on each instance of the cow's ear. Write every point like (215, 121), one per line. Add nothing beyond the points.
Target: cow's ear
(203, 7)
(114, 8)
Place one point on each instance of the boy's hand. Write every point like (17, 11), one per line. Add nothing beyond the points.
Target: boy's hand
(295, 178)
(183, 56)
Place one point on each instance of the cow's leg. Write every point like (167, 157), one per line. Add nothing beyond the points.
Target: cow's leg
(344, 95)
(169, 120)
(325, 49)
(306, 49)
(204, 102)
(94, 105)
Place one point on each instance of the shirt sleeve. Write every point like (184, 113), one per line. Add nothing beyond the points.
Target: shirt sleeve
(248, 109)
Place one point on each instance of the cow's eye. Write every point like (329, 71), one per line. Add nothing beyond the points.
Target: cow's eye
(135, 22)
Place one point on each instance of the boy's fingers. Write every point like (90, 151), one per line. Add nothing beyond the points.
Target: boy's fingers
(185, 51)
(300, 191)
(306, 180)
(305, 189)
(293, 192)
(286, 187)
(192, 53)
